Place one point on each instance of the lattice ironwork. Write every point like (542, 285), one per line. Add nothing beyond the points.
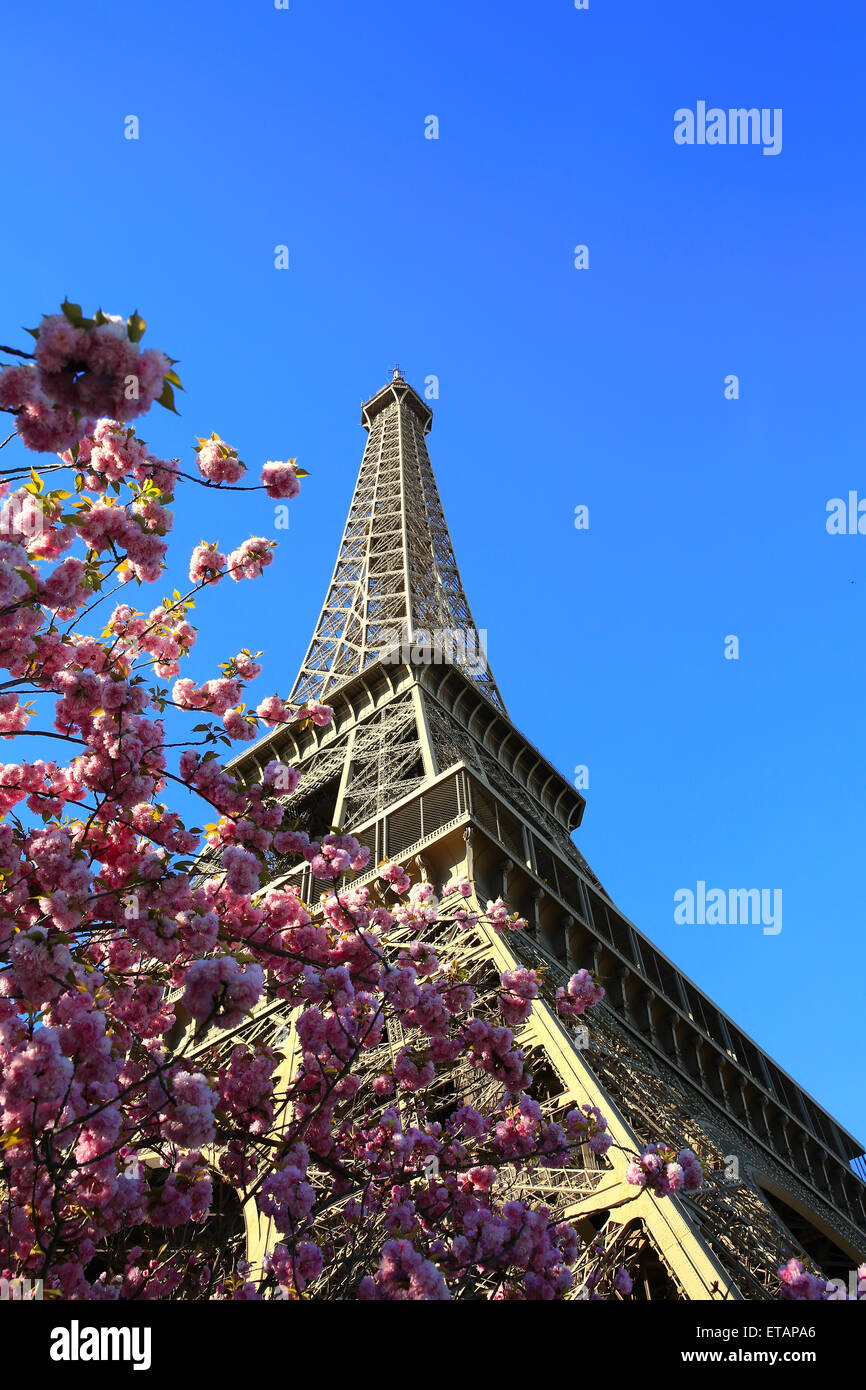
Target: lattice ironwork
(386, 762)
(396, 574)
(732, 1214)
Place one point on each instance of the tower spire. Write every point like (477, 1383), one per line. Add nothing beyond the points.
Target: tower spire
(396, 581)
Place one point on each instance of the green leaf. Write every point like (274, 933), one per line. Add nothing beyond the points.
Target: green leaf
(72, 312)
(75, 316)
(174, 379)
(135, 327)
(79, 482)
(167, 398)
(29, 579)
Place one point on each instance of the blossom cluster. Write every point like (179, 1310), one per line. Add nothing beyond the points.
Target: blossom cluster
(580, 994)
(800, 1285)
(82, 369)
(663, 1172)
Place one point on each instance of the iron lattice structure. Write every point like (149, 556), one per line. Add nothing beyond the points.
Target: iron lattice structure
(396, 576)
(422, 763)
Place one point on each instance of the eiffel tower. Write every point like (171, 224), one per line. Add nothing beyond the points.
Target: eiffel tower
(423, 765)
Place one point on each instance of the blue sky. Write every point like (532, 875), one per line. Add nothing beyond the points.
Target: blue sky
(558, 387)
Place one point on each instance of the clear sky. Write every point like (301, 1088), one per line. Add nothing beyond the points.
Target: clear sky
(558, 387)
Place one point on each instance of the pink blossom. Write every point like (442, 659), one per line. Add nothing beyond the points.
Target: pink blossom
(280, 479)
(291, 842)
(246, 667)
(221, 991)
(273, 711)
(14, 716)
(206, 563)
(186, 1118)
(286, 1196)
(19, 385)
(403, 1274)
(501, 920)
(239, 724)
(295, 1268)
(581, 993)
(411, 1071)
(519, 988)
(320, 714)
(90, 368)
(281, 777)
(243, 870)
(218, 462)
(396, 875)
(798, 1284)
(250, 558)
